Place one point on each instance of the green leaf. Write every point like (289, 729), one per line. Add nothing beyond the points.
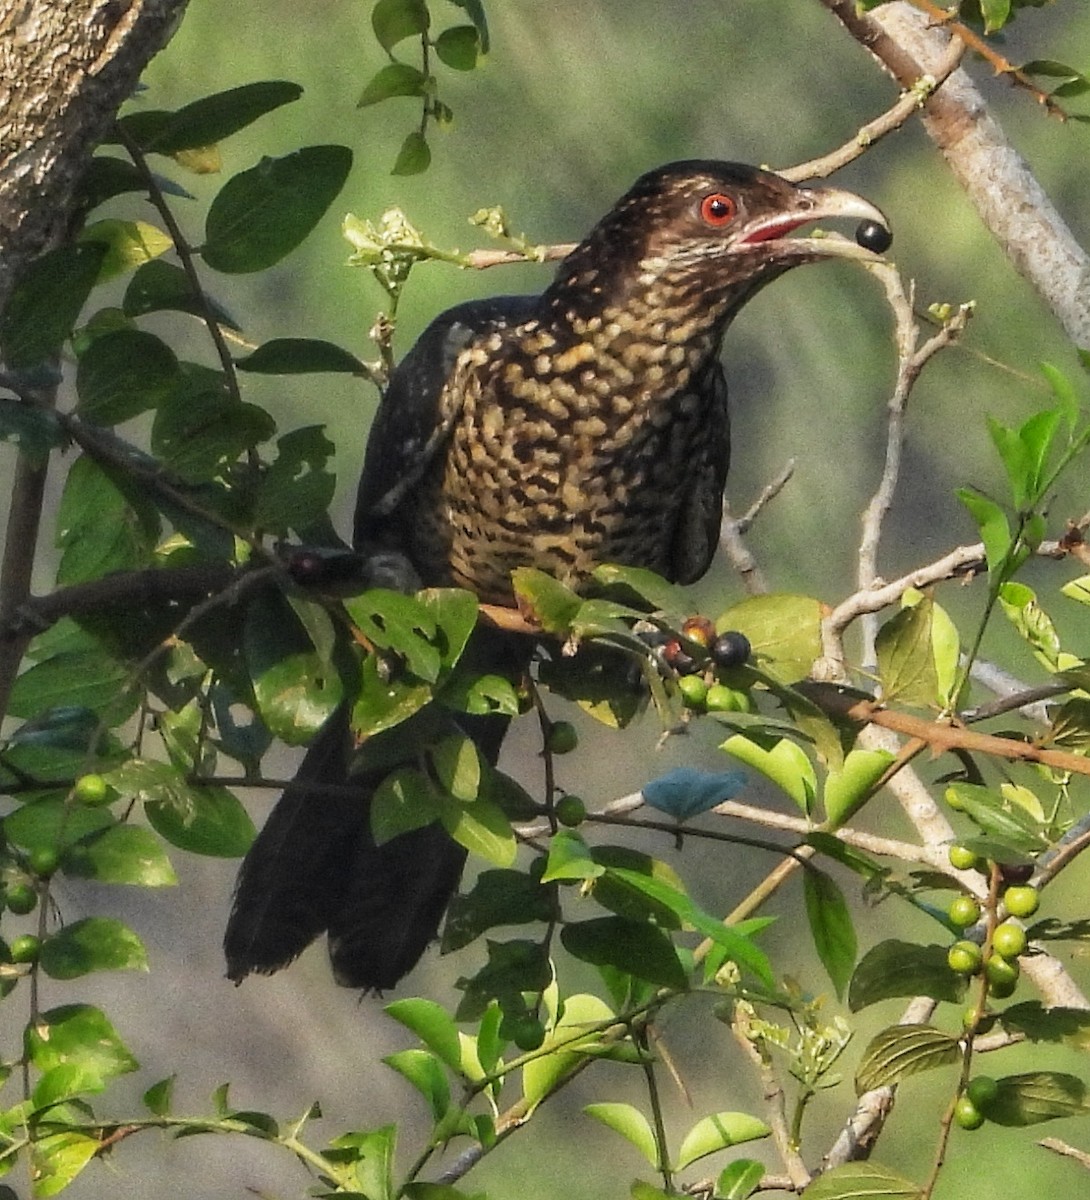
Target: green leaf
(395, 79)
(295, 687)
(414, 157)
(1038, 1096)
(121, 854)
(262, 214)
(630, 1123)
(200, 430)
(404, 800)
(103, 525)
(371, 1154)
(862, 1181)
(160, 286)
(128, 244)
(1078, 589)
(300, 356)
(634, 947)
(454, 612)
(646, 586)
(474, 10)
(78, 1036)
(740, 1180)
(903, 1050)
(457, 764)
(200, 818)
(544, 599)
(1020, 605)
(433, 1025)
(498, 897)
(93, 944)
(717, 1132)
(830, 926)
(847, 789)
(895, 968)
(382, 703)
(395, 20)
(481, 827)
(999, 819)
(52, 824)
(84, 679)
(297, 489)
(996, 14)
(783, 629)
(425, 1072)
(123, 374)
(399, 623)
(570, 858)
(906, 663)
(213, 118)
(1040, 1024)
(157, 1099)
(57, 1158)
(459, 47)
(785, 764)
(46, 301)
(107, 177)
(995, 530)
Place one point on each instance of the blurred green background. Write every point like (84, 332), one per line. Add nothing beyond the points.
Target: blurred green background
(573, 103)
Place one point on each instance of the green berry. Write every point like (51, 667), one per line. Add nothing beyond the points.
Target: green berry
(983, 1091)
(1002, 975)
(21, 898)
(727, 699)
(562, 737)
(528, 1033)
(964, 957)
(963, 859)
(694, 690)
(43, 861)
(1009, 940)
(25, 948)
(953, 798)
(571, 811)
(1021, 900)
(966, 1114)
(91, 790)
(963, 912)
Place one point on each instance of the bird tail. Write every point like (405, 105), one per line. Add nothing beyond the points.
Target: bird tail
(314, 868)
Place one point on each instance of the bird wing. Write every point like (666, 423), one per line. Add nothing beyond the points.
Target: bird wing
(408, 430)
(696, 534)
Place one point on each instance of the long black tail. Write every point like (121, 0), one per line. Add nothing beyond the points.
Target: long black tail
(314, 868)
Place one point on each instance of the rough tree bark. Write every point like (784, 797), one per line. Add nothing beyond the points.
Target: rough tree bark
(65, 69)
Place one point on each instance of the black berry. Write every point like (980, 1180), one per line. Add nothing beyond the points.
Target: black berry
(872, 236)
(731, 649)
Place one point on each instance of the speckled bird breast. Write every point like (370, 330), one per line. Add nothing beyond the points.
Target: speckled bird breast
(563, 457)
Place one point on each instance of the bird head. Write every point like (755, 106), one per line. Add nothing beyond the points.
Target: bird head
(709, 231)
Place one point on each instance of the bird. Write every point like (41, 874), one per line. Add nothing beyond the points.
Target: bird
(582, 426)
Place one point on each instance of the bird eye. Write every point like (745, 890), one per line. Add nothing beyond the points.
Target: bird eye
(717, 210)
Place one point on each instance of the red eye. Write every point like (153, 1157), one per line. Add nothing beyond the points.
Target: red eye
(717, 210)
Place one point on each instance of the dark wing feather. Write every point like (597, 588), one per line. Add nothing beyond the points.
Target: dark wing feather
(696, 535)
(403, 437)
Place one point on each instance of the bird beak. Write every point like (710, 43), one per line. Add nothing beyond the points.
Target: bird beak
(810, 204)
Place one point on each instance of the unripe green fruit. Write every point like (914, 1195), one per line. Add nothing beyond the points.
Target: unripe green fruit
(528, 1033)
(963, 859)
(562, 737)
(1009, 940)
(694, 690)
(963, 912)
(983, 1091)
(25, 948)
(571, 811)
(1021, 900)
(966, 1114)
(43, 861)
(91, 790)
(21, 898)
(721, 698)
(1002, 976)
(964, 957)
